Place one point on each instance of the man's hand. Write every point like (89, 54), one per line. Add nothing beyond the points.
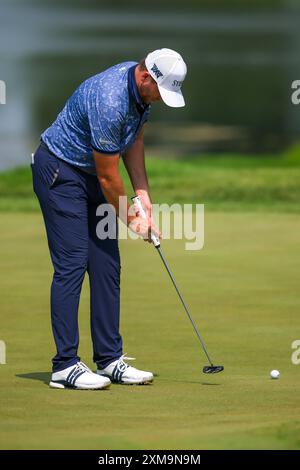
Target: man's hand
(146, 203)
(141, 227)
(147, 206)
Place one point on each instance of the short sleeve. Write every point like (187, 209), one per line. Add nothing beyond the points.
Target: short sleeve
(106, 128)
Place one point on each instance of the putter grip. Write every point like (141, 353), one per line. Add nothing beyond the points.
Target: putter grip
(137, 201)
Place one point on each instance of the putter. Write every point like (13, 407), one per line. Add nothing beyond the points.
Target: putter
(211, 369)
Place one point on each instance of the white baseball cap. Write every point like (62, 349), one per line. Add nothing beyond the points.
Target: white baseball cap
(168, 69)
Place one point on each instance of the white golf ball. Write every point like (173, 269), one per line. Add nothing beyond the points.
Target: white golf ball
(275, 374)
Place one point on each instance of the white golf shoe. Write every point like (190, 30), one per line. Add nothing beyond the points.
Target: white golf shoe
(78, 377)
(120, 372)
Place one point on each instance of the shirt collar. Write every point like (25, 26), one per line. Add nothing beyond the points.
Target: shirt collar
(133, 89)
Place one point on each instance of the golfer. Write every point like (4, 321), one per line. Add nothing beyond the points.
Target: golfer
(75, 169)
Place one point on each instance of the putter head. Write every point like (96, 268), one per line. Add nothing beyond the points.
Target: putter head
(212, 369)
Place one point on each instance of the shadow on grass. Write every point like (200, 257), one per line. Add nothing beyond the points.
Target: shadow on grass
(45, 378)
(41, 376)
(207, 383)
(198, 382)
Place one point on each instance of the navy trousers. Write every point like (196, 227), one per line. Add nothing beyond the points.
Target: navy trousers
(69, 199)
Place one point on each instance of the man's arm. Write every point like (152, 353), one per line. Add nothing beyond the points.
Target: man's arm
(134, 161)
(107, 168)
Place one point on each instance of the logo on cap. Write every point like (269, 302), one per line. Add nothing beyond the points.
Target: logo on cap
(177, 83)
(156, 71)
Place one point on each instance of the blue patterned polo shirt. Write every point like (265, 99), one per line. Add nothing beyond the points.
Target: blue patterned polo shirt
(105, 113)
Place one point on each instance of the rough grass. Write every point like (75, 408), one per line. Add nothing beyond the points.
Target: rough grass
(225, 182)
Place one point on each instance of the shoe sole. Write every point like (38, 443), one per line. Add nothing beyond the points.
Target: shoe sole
(145, 382)
(138, 382)
(88, 387)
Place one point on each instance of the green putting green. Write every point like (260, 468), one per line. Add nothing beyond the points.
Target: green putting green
(243, 291)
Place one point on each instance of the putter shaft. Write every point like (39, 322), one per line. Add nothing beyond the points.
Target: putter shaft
(183, 302)
(156, 243)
